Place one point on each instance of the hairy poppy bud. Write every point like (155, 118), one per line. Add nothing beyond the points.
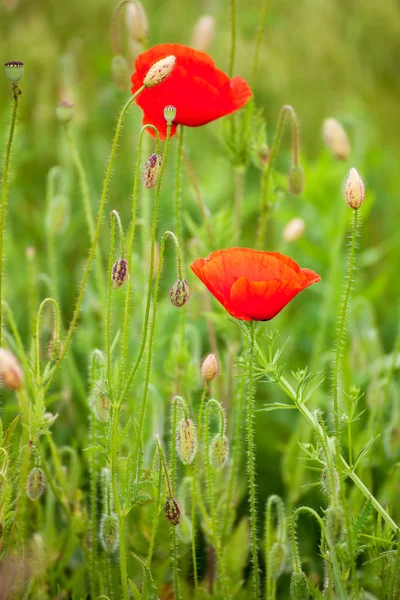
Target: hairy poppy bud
(186, 441)
(203, 33)
(172, 511)
(219, 451)
(354, 190)
(14, 70)
(169, 113)
(294, 230)
(179, 293)
(65, 111)
(296, 179)
(136, 22)
(151, 171)
(10, 370)
(209, 368)
(277, 558)
(101, 404)
(263, 153)
(299, 587)
(336, 138)
(57, 217)
(35, 485)
(334, 519)
(119, 273)
(159, 71)
(109, 534)
(120, 72)
(391, 441)
(54, 349)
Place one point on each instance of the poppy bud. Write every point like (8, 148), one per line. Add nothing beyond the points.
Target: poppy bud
(10, 370)
(57, 217)
(101, 405)
(119, 273)
(169, 113)
(219, 452)
(391, 441)
(109, 534)
(35, 485)
(172, 511)
(136, 22)
(299, 587)
(14, 70)
(336, 138)
(179, 293)
(354, 190)
(334, 519)
(54, 349)
(263, 153)
(277, 558)
(151, 171)
(296, 179)
(120, 72)
(294, 230)
(159, 71)
(65, 111)
(203, 33)
(186, 441)
(209, 368)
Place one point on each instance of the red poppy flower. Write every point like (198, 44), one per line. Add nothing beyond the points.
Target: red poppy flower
(199, 91)
(252, 285)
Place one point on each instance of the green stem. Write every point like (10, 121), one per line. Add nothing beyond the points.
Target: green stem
(4, 198)
(155, 519)
(109, 302)
(178, 187)
(239, 192)
(281, 537)
(174, 538)
(233, 37)
(259, 40)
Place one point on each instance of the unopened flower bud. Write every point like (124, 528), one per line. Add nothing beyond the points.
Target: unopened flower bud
(277, 559)
(65, 111)
(294, 230)
(159, 71)
(120, 72)
(136, 21)
(179, 293)
(186, 441)
(10, 370)
(299, 586)
(58, 215)
(264, 152)
(172, 511)
(336, 138)
(169, 113)
(35, 485)
(101, 404)
(334, 519)
(219, 451)
(54, 349)
(296, 179)
(203, 33)
(209, 367)
(391, 441)
(14, 70)
(109, 534)
(354, 190)
(151, 171)
(119, 273)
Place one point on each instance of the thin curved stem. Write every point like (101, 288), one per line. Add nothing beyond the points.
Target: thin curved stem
(178, 187)
(233, 38)
(260, 33)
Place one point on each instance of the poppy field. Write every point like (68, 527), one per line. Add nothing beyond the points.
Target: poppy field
(199, 300)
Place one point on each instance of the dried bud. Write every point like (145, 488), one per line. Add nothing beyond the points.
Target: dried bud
(334, 519)
(294, 230)
(65, 111)
(219, 452)
(120, 72)
(109, 534)
(277, 559)
(169, 113)
(14, 70)
(296, 179)
(119, 273)
(136, 22)
(35, 485)
(58, 214)
(354, 190)
(203, 33)
(336, 138)
(54, 349)
(101, 404)
(209, 368)
(151, 171)
(299, 586)
(172, 511)
(10, 370)
(186, 441)
(179, 293)
(159, 71)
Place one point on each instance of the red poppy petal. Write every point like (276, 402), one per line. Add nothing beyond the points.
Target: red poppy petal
(241, 92)
(197, 268)
(310, 277)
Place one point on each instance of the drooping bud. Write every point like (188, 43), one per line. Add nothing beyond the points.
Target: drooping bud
(219, 451)
(203, 33)
(209, 368)
(54, 349)
(109, 534)
(35, 485)
(169, 113)
(354, 189)
(277, 558)
(299, 587)
(120, 72)
(336, 138)
(186, 441)
(296, 179)
(10, 370)
(172, 511)
(58, 215)
(159, 71)
(179, 293)
(391, 441)
(14, 70)
(334, 519)
(65, 111)
(151, 171)
(101, 404)
(264, 152)
(294, 230)
(119, 273)
(136, 22)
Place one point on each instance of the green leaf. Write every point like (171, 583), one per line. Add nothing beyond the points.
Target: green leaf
(149, 591)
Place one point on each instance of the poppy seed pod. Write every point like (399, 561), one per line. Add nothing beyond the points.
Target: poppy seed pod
(159, 71)
(336, 138)
(209, 368)
(10, 370)
(65, 111)
(203, 33)
(109, 534)
(354, 190)
(186, 441)
(294, 230)
(14, 70)
(299, 586)
(169, 113)
(35, 485)
(119, 273)
(219, 451)
(179, 293)
(172, 511)
(151, 171)
(296, 179)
